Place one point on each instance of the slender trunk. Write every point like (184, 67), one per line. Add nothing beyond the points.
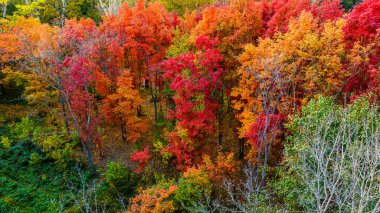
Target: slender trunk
(5, 9)
(3, 91)
(89, 154)
(61, 101)
(220, 118)
(154, 99)
(124, 133)
(241, 148)
(88, 135)
(155, 110)
(86, 152)
(139, 111)
(160, 110)
(63, 12)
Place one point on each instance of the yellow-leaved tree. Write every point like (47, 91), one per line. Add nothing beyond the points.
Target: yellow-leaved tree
(283, 72)
(278, 75)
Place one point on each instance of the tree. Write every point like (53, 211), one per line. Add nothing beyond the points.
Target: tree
(121, 108)
(139, 36)
(76, 83)
(333, 155)
(143, 33)
(141, 158)
(363, 22)
(280, 74)
(362, 38)
(57, 11)
(181, 6)
(154, 199)
(4, 4)
(305, 58)
(195, 78)
(42, 53)
(234, 25)
(109, 7)
(280, 12)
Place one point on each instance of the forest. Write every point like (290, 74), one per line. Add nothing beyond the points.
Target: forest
(190, 106)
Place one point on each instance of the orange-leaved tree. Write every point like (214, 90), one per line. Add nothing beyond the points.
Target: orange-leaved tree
(280, 74)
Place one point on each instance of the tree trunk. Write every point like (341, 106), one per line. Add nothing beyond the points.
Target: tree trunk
(241, 148)
(154, 99)
(124, 133)
(89, 157)
(139, 111)
(5, 10)
(220, 119)
(63, 12)
(155, 110)
(3, 91)
(64, 113)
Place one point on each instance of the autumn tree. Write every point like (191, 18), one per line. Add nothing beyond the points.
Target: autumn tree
(180, 7)
(77, 83)
(121, 108)
(280, 74)
(58, 62)
(362, 39)
(143, 33)
(55, 12)
(280, 12)
(136, 40)
(195, 79)
(27, 47)
(154, 199)
(234, 24)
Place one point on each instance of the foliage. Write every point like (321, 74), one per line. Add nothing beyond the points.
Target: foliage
(119, 177)
(123, 105)
(339, 140)
(180, 44)
(5, 142)
(224, 167)
(57, 147)
(362, 37)
(195, 77)
(194, 186)
(50, 11)
(206, 93)
(141, 158)
(280, 74)
(362, 22)
(31, 182)
(181, 6)
(234, 25)
(154, 199)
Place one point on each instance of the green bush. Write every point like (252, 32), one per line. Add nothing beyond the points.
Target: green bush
(192, 188)
(119, 177)
(35, 158)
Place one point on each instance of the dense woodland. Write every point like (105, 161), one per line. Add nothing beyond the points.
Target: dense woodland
(189, 106)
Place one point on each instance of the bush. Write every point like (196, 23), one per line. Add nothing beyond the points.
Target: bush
(192, 187)
(158, 198)
(5, 142)
(35, 158)
(120, 178)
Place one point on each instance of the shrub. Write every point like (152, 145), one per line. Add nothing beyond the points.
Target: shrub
(5, 142)
(119, 177)
(157, 198)
(192, 187)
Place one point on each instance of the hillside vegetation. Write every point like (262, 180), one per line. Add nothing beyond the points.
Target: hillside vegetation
(190, 106)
